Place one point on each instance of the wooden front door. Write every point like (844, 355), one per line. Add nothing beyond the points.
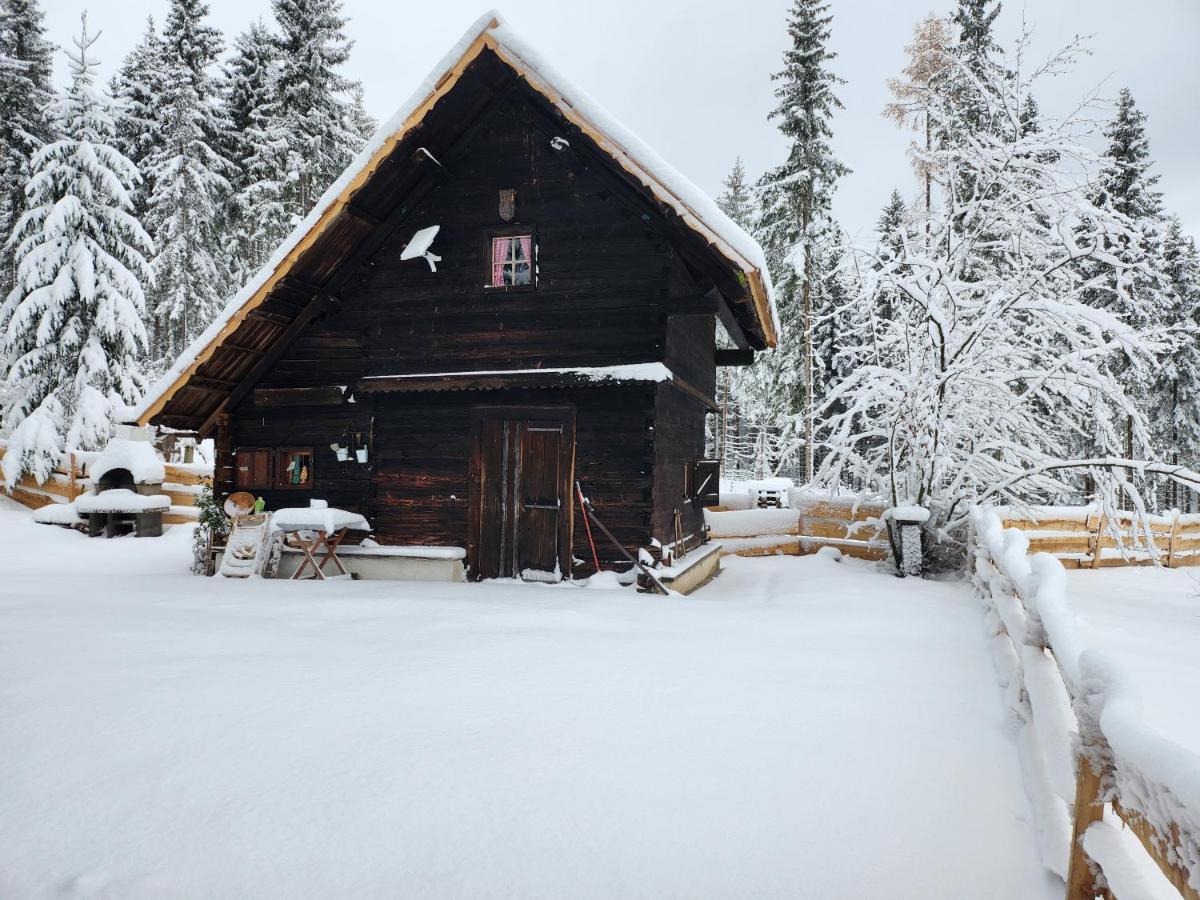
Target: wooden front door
(522, 464)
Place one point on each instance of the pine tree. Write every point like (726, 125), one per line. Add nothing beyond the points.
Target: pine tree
(188, 205)
(977, 52)
(26, 99)
(1138, 292)
(258, 219)
(1176, 412)
(72, 324)
(796, 196)
(138, 89)
(1126, 181)
(736, 200)
(315, 104)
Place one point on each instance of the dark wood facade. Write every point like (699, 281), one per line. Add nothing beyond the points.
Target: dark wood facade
(429, 371)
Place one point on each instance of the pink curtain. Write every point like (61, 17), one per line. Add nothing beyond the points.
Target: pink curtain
(499, 254)
(527, 253)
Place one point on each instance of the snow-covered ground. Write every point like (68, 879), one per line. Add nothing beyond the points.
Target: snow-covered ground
(1149, 619)
(800, 727)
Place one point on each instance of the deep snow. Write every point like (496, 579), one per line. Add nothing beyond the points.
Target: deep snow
(1148, 619)
(800, 727)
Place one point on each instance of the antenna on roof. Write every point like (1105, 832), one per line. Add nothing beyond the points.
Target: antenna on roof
(419, 246)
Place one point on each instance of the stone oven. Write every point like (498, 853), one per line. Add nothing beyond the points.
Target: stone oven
(127, 495)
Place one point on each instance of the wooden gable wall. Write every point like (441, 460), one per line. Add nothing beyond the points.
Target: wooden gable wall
(608, 277)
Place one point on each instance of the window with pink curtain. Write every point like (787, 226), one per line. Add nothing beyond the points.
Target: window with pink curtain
(512, 260)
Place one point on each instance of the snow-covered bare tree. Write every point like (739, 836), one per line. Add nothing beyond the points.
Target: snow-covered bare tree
(795, 200)
(26, 102)
(928, 58)
(315, 104)
(995, 361)
(72, 324)
(190, 188)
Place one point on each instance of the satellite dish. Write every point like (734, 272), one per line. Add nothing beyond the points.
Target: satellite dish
(419, 246)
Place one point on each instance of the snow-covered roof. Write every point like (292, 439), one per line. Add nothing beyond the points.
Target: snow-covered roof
(138, 457)
(490, 31)
(628, 372)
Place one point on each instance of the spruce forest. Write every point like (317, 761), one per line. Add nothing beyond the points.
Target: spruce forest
(1021, 328)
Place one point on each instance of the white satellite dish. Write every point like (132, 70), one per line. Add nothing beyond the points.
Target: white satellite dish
(419, 246)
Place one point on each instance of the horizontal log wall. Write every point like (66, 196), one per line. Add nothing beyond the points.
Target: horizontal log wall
(824, 523)
(1085, 539)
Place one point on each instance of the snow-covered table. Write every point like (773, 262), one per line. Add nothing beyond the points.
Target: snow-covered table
(311, 529)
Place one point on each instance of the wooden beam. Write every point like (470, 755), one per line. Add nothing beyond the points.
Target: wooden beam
(303, 396)
(204, 383)
(363, 216)
(694, 392)
(734, 357)
(315, 307)
(240, 348)
(706, 305)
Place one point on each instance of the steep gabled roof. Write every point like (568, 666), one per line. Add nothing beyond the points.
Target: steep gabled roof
(692, 205)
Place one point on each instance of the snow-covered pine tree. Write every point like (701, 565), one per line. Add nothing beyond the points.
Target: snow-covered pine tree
(188, 204)
(72, 325)
(972, 392)
(1139, 291)
(1176, 390)
(258, 218)
(315, 103)
(736, 199)
(795, 200)
(138, 88)
(892, 229)
(26, 99)
(978, 107)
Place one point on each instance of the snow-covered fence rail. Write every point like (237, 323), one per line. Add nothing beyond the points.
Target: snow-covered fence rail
(855, 527)
(70, 479)
(1082, 537)
(1089, 760)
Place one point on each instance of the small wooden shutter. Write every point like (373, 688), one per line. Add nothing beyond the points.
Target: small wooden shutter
(253, 467)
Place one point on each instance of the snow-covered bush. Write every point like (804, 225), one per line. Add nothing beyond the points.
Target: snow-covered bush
(997, 364)
(213, 525)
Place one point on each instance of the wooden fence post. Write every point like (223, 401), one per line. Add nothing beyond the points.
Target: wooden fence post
(72, 484)
(1089, 808)
(1171, 541)
(1097, 547)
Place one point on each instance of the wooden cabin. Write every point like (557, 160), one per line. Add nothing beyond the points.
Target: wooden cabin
(560, 325)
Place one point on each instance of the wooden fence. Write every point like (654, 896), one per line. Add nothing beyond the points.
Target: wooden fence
(1089, 760)
(1082, 538)
(852, 526)
(69, 480)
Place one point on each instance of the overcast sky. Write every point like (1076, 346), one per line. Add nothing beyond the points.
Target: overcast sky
(692, 77)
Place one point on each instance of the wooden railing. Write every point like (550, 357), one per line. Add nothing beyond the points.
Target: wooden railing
(1089, 760)
(1083, 538)
(69, 480)
(851, 525)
